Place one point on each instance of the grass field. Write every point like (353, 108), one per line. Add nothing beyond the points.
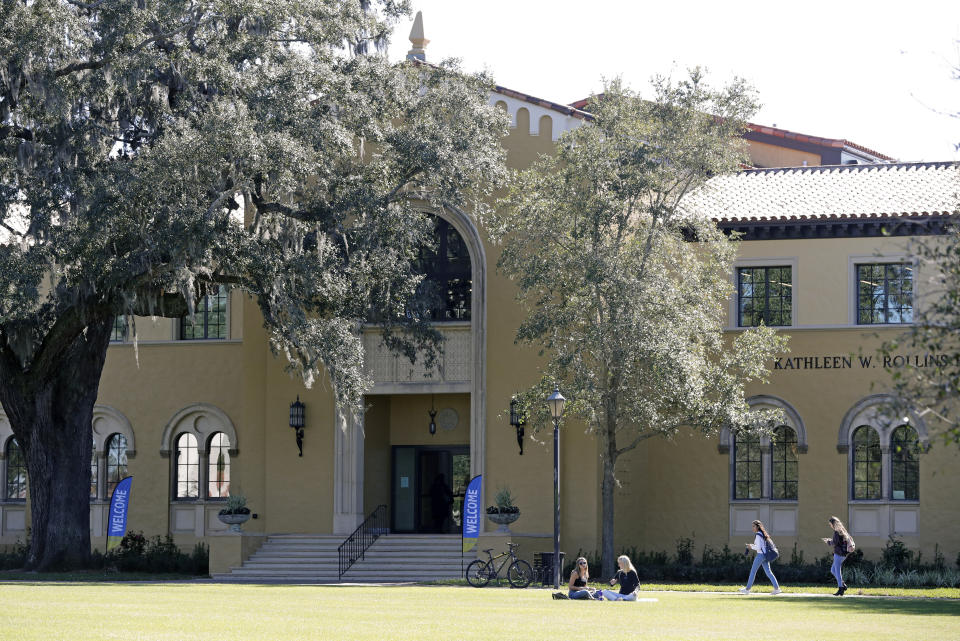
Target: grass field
(210, 612)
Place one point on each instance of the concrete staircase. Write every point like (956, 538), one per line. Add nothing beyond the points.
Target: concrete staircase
(393, 558)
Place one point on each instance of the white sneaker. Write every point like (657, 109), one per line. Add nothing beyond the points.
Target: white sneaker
(777, 591)
(743, 591)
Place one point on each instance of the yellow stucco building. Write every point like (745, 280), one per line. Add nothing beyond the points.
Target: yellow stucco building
(202, 411)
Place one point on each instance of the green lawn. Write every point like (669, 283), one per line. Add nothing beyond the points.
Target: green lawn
(209, 612)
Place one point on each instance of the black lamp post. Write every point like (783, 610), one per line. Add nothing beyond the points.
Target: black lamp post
(556, 401)
(296, 421)
(433, 417)
(518, 420)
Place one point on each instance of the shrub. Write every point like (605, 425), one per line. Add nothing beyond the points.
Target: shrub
(896, 554)
(796, 556)
(684, 551)
(14, 557)
(157, 555)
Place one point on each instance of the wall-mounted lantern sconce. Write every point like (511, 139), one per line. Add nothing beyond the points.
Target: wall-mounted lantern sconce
(518, 420)
(433, 416)
(296, 421)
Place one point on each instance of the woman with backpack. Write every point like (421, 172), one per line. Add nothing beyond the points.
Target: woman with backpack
(843, 545)
(766, 552)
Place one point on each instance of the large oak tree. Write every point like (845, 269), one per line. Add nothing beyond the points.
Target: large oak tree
(154, 150)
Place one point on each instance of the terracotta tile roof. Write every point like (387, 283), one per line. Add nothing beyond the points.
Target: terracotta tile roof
(786, 134)
(568, 110)
(831, 192)
(814, 140)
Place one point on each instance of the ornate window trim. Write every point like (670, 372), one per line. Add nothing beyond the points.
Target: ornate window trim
(874, 411)
(792, 420)
(202, 421)
(106, 422)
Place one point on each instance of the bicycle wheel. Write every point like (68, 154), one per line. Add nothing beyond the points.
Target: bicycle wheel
(520, 574)
(477, 574)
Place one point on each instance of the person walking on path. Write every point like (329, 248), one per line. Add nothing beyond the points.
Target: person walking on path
(761, 543)
(842, 544)
(578, 581)
(627, 578)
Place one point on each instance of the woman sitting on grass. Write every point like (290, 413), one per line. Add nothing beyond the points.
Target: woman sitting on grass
(578, 581)
(627, 578)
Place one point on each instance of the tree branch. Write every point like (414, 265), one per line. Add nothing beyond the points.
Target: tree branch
(82, 65)
(641, 437)
(23, 133)
(84, 5)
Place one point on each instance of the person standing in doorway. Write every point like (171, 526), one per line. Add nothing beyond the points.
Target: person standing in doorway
(761, 543)
(842, 544)
(441, 498)
(627, 578)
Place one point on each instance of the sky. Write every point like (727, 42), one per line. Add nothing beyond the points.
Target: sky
(882, 74)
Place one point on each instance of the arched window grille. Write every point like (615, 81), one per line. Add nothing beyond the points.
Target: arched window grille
(904, 451)
(867, 464)
(447, 287)
(218, 484)
(188, 467)
(748, 467)
(116, 462)
(785, 463)
(16, 481)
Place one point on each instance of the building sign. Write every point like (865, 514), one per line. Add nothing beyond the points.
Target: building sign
(849, 361)
(472, 501)
(117, 520)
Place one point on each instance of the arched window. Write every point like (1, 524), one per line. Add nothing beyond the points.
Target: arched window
(867, 464)
(904, 451)
(94, 469)
(447, 287)
(218, 485)
(16, 485)
(785, 469)
(188, 467)
(116, 462)
(748, 467)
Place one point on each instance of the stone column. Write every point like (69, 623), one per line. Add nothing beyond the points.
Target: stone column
(347, 472)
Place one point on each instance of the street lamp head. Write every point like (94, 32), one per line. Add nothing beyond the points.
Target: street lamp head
(556, 401)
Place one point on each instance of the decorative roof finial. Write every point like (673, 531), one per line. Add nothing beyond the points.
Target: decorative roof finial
(419, 42)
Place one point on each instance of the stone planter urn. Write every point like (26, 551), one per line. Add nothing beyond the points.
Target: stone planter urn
(503, 520)
(234, 520)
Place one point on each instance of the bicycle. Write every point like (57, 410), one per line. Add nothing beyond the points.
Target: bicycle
(519, 572)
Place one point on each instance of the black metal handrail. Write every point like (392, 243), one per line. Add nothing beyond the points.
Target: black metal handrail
(356, 545)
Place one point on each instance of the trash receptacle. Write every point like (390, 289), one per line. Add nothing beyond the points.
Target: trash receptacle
(545, 567)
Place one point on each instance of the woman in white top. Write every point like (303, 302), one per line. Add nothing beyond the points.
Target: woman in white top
(760, 544)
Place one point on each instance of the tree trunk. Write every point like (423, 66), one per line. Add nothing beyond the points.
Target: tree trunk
(51, 413)
(607, 486)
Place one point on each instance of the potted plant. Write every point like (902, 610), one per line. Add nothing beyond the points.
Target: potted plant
(236, 512)
(504, 512)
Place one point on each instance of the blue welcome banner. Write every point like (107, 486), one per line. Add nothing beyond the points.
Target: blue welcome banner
(117, 521)
(472, 502)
